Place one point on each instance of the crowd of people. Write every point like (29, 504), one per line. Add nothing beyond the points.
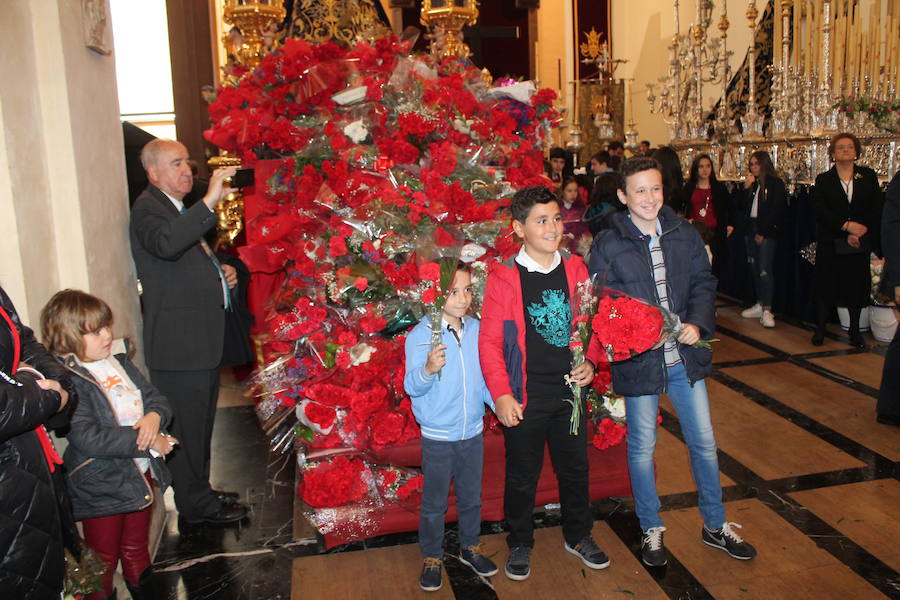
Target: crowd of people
(847, 199)
(636, 221)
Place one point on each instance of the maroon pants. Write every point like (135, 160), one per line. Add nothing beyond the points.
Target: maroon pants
(116, 537)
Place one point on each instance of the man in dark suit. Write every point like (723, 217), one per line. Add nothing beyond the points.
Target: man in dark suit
(185, 295)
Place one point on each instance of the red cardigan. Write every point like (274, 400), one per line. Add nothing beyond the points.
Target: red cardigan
(501, 344)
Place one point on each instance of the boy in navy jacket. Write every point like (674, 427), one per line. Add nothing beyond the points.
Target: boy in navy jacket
(652, 254)
(448, 398)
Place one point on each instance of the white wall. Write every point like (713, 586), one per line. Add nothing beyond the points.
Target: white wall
(63, 194)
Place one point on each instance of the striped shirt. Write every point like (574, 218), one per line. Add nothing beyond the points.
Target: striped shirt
(670, 349)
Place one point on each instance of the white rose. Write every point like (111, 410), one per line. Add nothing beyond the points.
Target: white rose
(356, 131)
(615, 406)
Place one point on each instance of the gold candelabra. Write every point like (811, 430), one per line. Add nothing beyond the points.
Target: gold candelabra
(254, 30)
(446, 18)
(253, 34)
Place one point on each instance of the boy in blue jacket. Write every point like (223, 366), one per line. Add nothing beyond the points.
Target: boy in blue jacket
(652, 254)
(448, 397)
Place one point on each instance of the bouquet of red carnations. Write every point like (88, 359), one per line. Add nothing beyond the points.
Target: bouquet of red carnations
(585, 305)
(626, 326)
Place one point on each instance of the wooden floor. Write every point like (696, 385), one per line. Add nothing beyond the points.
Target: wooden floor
(806, 471)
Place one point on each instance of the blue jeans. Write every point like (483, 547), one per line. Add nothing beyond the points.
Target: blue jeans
(692, 406)
(762, 258)
(462, 462)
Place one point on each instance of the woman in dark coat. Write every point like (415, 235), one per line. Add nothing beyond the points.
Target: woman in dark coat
(708, 204)
(848, 201)
(762, 212)
(35, 515)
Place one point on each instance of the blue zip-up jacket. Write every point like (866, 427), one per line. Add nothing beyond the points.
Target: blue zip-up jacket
(449, 408)
(622, 255)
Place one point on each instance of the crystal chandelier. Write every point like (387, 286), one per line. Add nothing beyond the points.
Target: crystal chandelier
(694, 60)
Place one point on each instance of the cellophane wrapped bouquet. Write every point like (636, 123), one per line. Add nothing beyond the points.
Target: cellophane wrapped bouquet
(375, 151)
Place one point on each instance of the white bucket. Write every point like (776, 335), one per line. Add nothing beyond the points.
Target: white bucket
(844, 318)
(883, 323)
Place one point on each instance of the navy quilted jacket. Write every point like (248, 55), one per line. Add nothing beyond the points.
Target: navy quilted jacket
(622, 255)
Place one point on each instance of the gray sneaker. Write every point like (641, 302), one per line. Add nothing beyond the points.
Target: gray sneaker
(518, 565)
(474, 558)
(728, 540)
(589, 553)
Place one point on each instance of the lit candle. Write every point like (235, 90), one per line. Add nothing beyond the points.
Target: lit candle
(677, 28)
(841, 68)
(796, 39)
(810, 52)
(776, 34)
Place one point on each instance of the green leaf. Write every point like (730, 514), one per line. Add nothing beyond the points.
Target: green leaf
(304, 433)
(448, 270)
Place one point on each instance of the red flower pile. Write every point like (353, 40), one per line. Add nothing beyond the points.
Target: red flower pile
(369, 151)
(335, 483)
(626, 327)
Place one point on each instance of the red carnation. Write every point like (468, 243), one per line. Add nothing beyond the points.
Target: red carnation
(412, 486)
(387, 427)
(321, 415)
(337, 246)
(430, 271)
(609, 434)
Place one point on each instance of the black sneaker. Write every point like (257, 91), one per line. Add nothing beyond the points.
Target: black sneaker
(728, 540)
(653, 552)
(589, 553)
(478, 562)
(430, 579)
(518, 565)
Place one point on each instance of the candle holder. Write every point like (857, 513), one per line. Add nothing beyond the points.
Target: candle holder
(256, 24)
(694, 60)
(446, 18)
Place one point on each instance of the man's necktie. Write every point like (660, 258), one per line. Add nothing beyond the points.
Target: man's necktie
(226, 293)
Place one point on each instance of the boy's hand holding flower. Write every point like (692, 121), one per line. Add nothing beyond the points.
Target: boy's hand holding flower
(436, 360)
(690, 335)
(147, 428)
(583, 374)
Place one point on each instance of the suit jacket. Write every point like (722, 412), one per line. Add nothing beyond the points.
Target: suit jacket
(833, 209)
(184, 312)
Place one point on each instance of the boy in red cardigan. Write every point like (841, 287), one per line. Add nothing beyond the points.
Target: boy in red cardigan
(524, 351)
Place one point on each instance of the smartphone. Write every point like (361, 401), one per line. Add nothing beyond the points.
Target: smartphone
(242, 178)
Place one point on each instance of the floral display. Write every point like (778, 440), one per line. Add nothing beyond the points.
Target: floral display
(372, 166)
(884, 114)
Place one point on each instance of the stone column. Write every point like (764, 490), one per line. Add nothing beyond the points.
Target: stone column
(63, 196)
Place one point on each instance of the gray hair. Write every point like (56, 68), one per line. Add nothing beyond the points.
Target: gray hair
(150, 151)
